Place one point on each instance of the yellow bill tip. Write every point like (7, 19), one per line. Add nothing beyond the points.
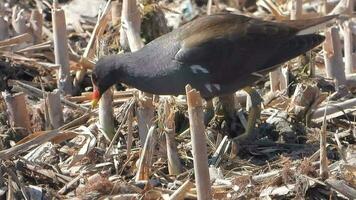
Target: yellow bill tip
(94, 103)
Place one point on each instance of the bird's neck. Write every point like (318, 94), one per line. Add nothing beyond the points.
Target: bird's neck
(125, 67)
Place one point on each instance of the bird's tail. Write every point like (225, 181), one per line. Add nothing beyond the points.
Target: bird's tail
(291, 49)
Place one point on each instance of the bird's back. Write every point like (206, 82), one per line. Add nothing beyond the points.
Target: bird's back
(216, 54)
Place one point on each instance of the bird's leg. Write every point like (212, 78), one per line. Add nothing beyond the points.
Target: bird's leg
(225, 110)
(254, 114)
(208, 111)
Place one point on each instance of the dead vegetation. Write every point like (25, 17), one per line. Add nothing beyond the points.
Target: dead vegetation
(139, 146)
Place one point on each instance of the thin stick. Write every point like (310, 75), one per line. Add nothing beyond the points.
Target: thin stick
(323, 153)
(129, 138)
(197, 130)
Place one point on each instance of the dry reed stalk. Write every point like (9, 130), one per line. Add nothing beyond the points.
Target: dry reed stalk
(297, 9)
(348, 48)
(197, 132)
(64, 79)
(333, 57)
(116, 13)
(174, 164)
(145, 162)
(55, 111)
(106, 119)
(324, 174)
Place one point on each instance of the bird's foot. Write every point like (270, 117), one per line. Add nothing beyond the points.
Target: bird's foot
(242, 140)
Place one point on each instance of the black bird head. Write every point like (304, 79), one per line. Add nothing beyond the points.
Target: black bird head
(105, 74)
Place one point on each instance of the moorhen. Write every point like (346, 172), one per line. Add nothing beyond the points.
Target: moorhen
(217, 54)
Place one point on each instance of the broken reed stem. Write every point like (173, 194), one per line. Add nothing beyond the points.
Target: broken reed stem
(36, 23)
(145, 162)
(55, 112)
(323, 153)
(131, 26)
(64, 80)
(116, 13)
(333, 57)
(174, 164)
(145, 115)
(4, 29)
(17, 110)
(350, 7)
(279, 79)
(106, 117)
(297, 9)
(180, 193)
(348, 48)
(199, 149)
